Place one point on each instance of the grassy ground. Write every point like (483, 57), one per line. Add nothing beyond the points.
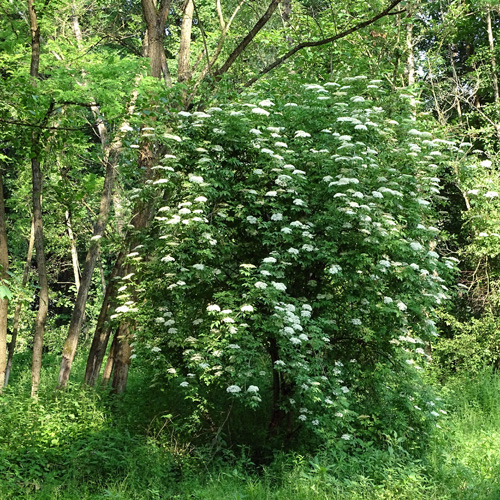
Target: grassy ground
(73, 446)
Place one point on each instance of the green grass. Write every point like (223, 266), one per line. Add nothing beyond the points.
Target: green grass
(75, 445)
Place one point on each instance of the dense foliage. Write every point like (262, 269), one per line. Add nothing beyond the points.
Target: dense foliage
(283, 217)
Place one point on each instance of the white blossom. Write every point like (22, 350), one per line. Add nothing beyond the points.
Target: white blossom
(233, 389)
(196, 179)
(266, 103)
(301, 133)
(491, 194)
(260, 111)
(334, 269)
(269, 260)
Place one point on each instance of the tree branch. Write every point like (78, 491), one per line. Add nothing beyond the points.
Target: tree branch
(324, 41)
(250, 36)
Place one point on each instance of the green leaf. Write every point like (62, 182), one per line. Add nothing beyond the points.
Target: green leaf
(5, 293)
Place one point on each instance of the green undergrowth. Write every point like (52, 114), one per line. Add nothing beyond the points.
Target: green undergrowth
(83, 444)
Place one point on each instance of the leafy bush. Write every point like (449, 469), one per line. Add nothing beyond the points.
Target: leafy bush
(292, 264)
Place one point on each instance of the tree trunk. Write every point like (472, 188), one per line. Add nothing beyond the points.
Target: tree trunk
(74, 253)
(17, 312)
(4, 302)
(183, 73)
(155, 21)
(121, 358)
(108, 369)
(43, 306)
(81, 298)
(102, 331)
(493, 62)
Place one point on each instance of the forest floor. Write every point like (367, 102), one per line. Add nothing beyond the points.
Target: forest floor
(72, 447)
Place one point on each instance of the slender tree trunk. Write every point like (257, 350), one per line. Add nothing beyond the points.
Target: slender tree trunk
(457, 83)
(17, 312)
(493, 62)
(102, 331)
(410, 62)
(74, 253)
(43, 306)
(4, 303)
(37, 182)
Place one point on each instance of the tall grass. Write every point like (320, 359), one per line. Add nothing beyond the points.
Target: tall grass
(76, 445)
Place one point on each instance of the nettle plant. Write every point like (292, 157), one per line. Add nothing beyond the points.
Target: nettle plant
(292, 262)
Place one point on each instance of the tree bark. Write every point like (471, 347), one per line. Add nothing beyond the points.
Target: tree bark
(17, 312)
(156, 19)
(110, 362)
(121, 359)
(183, 73)
(249, 37)
(4, 303)
(78, 314)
